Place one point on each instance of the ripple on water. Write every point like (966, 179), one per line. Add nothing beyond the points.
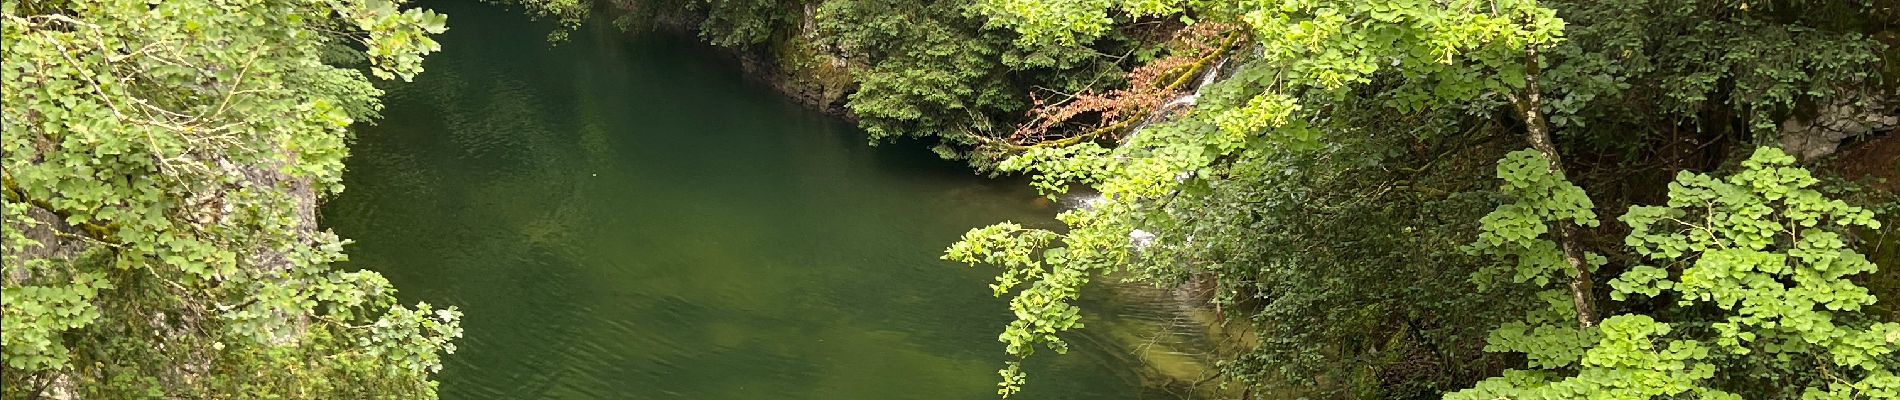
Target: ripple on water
(628, 220)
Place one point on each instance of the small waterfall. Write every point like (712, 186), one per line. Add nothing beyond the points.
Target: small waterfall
(1082, 200)
(1207, 78)
(1184, 100)
(1169, 331)
(1140, 239)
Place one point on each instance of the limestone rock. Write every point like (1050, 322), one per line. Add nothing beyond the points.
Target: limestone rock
(1821, 135)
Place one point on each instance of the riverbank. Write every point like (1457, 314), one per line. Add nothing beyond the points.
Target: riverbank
(624, 217)
(1173, 335)
(790, 62)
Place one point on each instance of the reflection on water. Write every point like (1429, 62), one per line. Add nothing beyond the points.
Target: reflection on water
(629, 219)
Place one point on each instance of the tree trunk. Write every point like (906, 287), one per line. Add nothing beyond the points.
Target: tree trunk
(1538, 133)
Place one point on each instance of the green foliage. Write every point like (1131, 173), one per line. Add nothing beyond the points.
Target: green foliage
(1308, 187)
(36, 315)
(1704, 65)
(735, 23)
(1447, 50)
(1548, 337)
(1321, 76)
(1343, 263)
(1632, 361)
(929, 70)
(1043, 309)
(161, 160)
(1310, 53)
(925, 74)
(1771, 252)
(738, 24)
(1066, 21)
(1517, 230)
(1521, 231)
(569, 14)
(1762, 262)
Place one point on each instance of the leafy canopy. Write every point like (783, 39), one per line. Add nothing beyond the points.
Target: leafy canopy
(161, 165)
(1614, 75)
(1763, 259)
(1308, 52)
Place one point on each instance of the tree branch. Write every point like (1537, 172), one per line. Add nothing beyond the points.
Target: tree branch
(92, 231)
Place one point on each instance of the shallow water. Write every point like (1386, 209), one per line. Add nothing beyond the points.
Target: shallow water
(626, 217)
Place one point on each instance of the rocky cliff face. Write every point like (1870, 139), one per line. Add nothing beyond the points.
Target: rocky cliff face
(1821, 135)
(795, 64)
(792, 61)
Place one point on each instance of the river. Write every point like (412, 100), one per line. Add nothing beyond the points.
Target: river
(628, 217)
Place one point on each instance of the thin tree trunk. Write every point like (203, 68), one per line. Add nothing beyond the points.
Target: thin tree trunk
(1538, 133)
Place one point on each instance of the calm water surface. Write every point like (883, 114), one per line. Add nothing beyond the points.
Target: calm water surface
(628, 218)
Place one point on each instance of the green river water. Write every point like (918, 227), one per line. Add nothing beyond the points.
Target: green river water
(628, 217)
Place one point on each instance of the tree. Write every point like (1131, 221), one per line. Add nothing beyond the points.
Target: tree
(1759, 267)
(1278, 99)
(930, 70)
(162, 162)
(569, 14)
(1197, 195)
